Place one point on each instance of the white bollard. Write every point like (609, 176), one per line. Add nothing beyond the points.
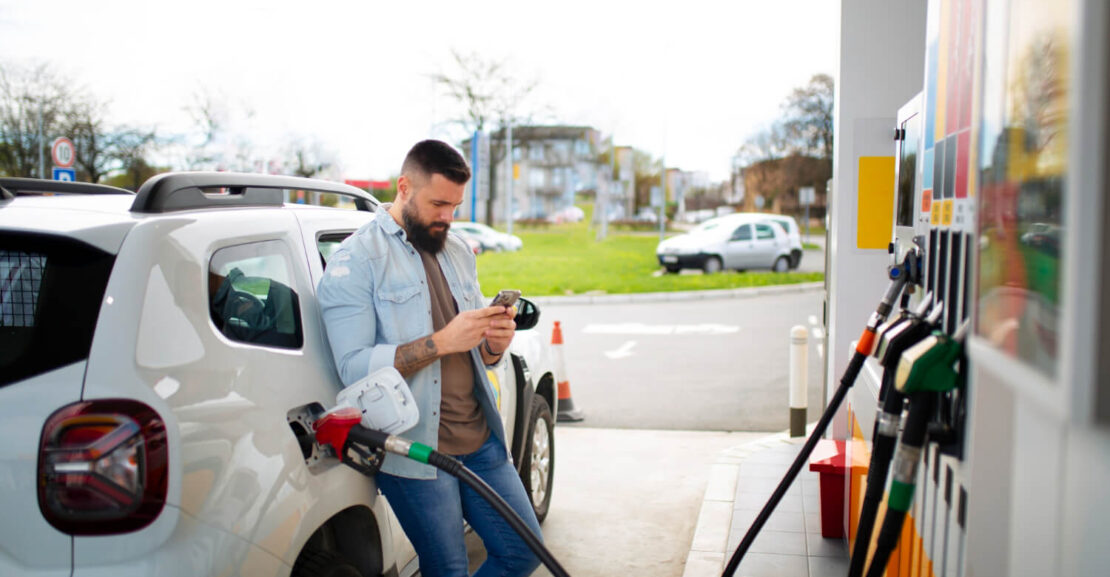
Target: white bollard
(799, 350)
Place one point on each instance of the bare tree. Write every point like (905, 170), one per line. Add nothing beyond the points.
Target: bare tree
(491, 97)
(795, 150)
(808, 118)
(26, 96)
(218, 143)
(130, 148)
(306, 157)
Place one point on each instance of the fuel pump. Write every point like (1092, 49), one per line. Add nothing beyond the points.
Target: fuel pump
(924, 370)
(912, 328)
(906, 272)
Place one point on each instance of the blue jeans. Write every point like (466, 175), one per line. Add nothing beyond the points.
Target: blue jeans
(431, 512)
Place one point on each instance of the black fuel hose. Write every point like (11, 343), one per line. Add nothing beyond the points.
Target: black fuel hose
(451, 466)
(846, 381)
(904, 479)
(863, 349)
(885, 440)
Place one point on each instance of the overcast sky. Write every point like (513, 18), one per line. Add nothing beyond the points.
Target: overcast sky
(689, 79)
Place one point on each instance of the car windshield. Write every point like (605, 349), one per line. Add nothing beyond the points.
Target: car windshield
(50, 294)
(708, 226)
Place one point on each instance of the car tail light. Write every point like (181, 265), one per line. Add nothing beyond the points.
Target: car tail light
(102, 467)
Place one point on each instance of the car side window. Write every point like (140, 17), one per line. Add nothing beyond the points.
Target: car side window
(328, 242)
(743, 232)
(250, 295)
(764, 232)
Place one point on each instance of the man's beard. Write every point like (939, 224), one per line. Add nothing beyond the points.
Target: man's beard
(428, 238)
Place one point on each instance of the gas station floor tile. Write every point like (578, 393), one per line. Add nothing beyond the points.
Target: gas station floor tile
(790, 543)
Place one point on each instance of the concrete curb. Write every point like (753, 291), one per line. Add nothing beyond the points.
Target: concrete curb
(587, 299)
(709, 548)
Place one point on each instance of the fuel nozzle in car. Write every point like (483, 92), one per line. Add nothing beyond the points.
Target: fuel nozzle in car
(934, 365)
(360, 429)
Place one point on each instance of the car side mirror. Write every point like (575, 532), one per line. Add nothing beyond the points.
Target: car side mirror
(527, 314)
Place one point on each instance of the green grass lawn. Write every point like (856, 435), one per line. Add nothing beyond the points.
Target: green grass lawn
(567, 259)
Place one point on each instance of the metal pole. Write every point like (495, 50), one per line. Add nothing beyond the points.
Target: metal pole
(662, 196)
(604, 230)
(799, 350)
(42, 166)
(474, 168)
(512, 175)
(807, 222)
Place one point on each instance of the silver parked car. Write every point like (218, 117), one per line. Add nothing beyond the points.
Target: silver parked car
(488, 238)
(791, 227)
(735, 241)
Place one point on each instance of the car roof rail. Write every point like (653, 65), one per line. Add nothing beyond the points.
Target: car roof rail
(13, 187)
(174, 191)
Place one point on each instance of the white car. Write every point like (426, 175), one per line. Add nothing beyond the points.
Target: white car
(162, 360)
(488, 238)
(735, 241)
(791, 227)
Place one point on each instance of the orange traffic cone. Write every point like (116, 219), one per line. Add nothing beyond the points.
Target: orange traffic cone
(567, 412)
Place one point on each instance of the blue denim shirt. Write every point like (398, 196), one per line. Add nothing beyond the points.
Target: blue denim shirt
(374, 296)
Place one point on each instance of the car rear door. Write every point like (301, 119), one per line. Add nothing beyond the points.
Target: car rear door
(765, 247)
(738, 248)
(223, 383)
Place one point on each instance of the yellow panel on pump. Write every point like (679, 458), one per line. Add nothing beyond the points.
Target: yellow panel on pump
(875, 207)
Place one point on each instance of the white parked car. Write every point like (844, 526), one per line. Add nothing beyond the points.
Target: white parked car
(791, 227)
(735, 241)
(488, 238)
(162, 360)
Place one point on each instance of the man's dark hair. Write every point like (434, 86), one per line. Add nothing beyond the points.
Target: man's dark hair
(430, 157)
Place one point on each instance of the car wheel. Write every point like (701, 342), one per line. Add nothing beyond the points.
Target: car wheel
(782, 264)
(795, 258)
(538, 471)
(672, 269)
(712, 265)
(321, 563)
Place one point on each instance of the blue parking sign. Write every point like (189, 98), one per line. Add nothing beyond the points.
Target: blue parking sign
(66, 174)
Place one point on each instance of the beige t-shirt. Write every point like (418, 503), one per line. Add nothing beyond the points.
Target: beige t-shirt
(462, 426)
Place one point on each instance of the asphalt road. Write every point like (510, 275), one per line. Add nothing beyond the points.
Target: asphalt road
(705, 365)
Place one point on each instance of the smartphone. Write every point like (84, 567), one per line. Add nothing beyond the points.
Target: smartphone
(505, 298)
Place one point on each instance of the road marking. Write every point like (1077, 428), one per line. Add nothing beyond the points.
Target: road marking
(625, 350)
(646, 329)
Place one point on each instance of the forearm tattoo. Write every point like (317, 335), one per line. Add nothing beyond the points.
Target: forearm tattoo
(412, 357)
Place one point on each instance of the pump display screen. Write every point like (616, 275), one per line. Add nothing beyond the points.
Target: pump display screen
(907, 171)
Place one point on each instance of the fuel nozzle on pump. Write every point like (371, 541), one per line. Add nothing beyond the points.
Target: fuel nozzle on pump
(900, 276)
(932, 366)
(911, 328)
(359, 430)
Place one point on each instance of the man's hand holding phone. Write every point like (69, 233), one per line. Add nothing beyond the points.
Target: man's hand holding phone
(501, 331)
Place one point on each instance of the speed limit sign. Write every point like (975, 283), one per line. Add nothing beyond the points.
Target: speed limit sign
(62, 151)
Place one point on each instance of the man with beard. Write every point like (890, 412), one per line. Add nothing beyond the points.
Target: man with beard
(401, 291)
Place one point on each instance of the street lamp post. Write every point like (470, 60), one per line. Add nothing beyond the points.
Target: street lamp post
(512, 175)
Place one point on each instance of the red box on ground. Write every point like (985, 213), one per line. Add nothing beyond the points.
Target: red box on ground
(830, 461)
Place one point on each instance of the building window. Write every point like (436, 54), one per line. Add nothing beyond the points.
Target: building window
(536, 178)
(535, 152)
